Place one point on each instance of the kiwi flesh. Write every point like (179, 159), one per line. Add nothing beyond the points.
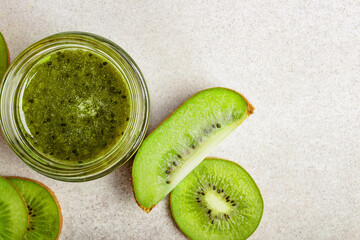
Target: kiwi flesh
(218, 200)
(183, 140)
(4, 56)
(45, 220)
(13, 212)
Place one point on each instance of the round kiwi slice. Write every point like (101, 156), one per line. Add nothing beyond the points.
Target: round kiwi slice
(183, 140)
(4, 56)
(218, 200)
(13, 212)
(45, 220)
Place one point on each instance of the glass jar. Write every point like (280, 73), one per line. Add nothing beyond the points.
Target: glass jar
(15, 81)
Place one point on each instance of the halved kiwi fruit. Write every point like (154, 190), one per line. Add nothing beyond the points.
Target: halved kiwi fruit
(4, 56)
(45, 220)
(183, 140)
(218, 200)
(13, 212)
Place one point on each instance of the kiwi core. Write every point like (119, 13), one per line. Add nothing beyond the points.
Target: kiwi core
(216, 202)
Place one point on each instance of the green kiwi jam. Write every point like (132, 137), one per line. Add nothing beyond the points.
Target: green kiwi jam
(75, 106)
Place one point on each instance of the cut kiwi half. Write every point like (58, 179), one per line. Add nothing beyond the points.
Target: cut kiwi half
(45, 219)
(218, 200)
(183, 140)
(4, 56)
(13, 212)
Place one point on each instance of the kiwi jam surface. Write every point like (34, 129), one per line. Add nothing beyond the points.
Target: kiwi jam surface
(75, 106)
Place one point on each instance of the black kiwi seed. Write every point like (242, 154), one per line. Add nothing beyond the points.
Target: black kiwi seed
(222, 190)
(218, 125)
(202, 193)
(234, 204)
(218, 190)
(198, 192)
(227, 198)
(232, 201)
(209, 211)
(167, 171)
(167, 182)
(175, 163)
(193, 146)
(213, 126)
(212, 222)
(179, 156)
(214, 187)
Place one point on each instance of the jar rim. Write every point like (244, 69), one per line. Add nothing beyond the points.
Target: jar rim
(124, 148)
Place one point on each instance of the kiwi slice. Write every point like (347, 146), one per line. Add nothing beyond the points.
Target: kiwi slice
(13, 212)
(4, 56)
(45, 220)
(218, 200)
(183, 140)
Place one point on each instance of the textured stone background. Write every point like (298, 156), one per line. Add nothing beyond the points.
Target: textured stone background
(298, 62)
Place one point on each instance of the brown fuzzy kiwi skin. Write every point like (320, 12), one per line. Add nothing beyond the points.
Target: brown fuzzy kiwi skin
(21, 198)
(171, 209)
(52, 194)
(250, 110)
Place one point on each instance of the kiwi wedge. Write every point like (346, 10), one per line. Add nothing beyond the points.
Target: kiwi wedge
(183, 140)
(4, 56)
(13, 212)
(45, 220)
(218, 200)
